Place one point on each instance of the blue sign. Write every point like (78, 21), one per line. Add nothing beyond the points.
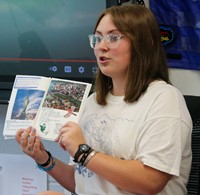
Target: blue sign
(183, 19)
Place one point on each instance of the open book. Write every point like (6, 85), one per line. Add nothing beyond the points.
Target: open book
(44, 103)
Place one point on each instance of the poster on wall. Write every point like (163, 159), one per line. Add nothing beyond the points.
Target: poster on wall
(180, 31)
(20, 176)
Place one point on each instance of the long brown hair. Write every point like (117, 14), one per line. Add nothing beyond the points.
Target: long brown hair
(148, 59)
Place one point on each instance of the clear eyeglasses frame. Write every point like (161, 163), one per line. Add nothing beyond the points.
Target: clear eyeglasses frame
(111, 40)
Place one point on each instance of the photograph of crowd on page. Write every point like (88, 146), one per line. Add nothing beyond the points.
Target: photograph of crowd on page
(64, 95)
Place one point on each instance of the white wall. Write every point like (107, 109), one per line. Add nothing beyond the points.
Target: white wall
(187, 81)
(146, 3)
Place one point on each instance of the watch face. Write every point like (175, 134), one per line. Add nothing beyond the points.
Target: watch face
(84, 147)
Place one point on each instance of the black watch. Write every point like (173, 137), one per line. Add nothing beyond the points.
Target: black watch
(82, 149)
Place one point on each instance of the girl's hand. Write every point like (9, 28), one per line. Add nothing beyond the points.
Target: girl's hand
(31, 144)
(70, 137)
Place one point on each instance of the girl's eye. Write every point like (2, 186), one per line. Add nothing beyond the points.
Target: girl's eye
(113, 38)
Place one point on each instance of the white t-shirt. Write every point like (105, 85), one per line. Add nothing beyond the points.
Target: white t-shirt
(155, 130)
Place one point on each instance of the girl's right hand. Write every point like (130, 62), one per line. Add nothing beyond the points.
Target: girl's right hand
(31, 144)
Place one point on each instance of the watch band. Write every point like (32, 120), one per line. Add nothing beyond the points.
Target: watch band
(82, 149)
(84, 157)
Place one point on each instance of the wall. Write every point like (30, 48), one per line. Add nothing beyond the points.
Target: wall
(187, 81)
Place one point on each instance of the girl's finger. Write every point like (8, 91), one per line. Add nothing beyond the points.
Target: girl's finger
(18, 135)
(24, 137)
(37, 144)
(31, 140)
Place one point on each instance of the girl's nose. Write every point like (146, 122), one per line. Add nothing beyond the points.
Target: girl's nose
(102, 45)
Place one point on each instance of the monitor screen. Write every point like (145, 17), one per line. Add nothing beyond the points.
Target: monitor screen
(47, 38)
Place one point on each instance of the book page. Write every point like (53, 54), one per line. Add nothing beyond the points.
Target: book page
(63, 102)
(25, 100)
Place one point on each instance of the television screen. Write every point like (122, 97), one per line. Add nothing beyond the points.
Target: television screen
(47, 37)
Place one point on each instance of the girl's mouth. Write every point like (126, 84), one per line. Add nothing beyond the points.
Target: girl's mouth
(103, 59)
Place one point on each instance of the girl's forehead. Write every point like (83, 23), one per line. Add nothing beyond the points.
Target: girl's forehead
(106, 24)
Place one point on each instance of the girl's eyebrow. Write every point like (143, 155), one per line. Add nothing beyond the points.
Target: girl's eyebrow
(111, 31)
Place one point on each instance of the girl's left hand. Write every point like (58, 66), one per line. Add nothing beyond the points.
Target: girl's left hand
(70, 137)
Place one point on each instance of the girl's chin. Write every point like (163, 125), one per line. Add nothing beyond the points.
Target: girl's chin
(106, 73)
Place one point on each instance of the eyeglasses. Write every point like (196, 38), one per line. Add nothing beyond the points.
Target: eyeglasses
(111, 40)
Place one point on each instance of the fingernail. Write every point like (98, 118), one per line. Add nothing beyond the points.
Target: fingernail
(33, 130)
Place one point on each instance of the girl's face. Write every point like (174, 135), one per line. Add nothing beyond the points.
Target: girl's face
(113, 62)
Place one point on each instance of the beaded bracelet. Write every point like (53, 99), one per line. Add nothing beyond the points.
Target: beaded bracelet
(48, 168)
(44, 167)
